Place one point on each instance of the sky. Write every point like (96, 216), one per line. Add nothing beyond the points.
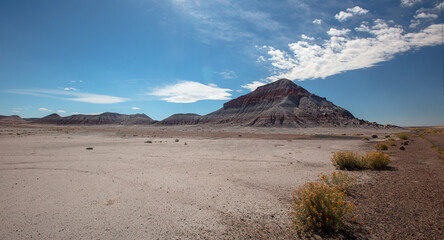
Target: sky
(382, 59)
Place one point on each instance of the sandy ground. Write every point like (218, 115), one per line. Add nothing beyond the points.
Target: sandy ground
(201, 187)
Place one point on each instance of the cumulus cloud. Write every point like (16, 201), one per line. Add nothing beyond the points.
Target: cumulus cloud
(44, 110)
(426, 15)
(317, 21)
(70, 95)
(189, 92)
(303, 36)
(409, 3)
(135, 108)
(340, 52)
(337, 32)
(350, 12)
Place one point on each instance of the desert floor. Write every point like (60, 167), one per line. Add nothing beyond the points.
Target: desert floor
(207, 184)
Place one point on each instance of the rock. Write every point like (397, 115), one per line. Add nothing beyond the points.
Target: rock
(374, 136)
(181, 119)
(98, 119)
(282, 103)
(402, 148)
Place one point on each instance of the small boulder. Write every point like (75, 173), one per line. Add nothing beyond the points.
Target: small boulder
(374, 136)
(402, 148)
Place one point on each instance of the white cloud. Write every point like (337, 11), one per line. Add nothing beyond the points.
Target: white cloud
(228, 74)
(337, 32)
(426, 15)
(70, 89)
(260, 59)
(357, 10)
(135, 108)
(342, 16)
(350, 12)
(363, 28)
(226, 20)
(303, 36)
(70, 96)
(409, 3)
(341, 53)
(317, 21)
(44, 110)
(255, 84)
(15, 111)
(61, 111)
(189, 92)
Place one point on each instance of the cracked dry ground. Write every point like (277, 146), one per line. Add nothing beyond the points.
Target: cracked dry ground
(406, 201)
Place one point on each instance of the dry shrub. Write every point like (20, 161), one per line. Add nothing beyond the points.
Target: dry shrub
(391, 143)
(365, 138)
(316, 206)
(381, 147)
(338, 179)
(347, 160)
(402, 136)
(376, 160)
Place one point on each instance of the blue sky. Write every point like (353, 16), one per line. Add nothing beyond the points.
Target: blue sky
(381, 60)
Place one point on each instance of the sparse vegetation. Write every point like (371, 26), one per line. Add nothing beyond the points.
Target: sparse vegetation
(381, 147)
(391, 143)
(89, 148)
(148, 141)
(177, 140)
(402, 136)
(338, 179)
(347, 160)
(317, 206)
(366, 138)
(353, 161)
(376, 160)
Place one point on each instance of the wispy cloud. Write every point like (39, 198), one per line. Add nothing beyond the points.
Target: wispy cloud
(409, 3)
(42, 109)
(135, 108)
(70, 95)
(228, 74)
(70, 89)
(226, 20)
(345, 49)
(255, 84)
(189, 92)
(61, 111)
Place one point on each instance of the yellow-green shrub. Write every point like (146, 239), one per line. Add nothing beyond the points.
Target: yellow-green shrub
(338, 179)
(402, 136)
(391, 143)
(376, 160)
(317, 206)
(347, 160)
(381, 147)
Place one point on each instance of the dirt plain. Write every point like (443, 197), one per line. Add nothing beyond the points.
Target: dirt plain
(142, 183)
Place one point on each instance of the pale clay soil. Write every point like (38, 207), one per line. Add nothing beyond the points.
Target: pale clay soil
(205, 186)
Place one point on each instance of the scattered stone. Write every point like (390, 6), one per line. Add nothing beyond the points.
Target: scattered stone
(149, 141)
(89, 148)
(402, 148)
(185, 143)
(177, 140)
(406, 143)
(374, 136)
